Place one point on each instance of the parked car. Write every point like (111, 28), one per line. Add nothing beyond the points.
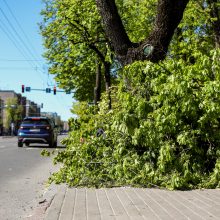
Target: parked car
(37, 130)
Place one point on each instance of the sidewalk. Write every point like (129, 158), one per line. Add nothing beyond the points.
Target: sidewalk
(133, 203)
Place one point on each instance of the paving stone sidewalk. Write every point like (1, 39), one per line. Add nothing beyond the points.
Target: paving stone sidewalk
(126, 203)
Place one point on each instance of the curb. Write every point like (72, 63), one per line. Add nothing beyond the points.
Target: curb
(54, 210)
(44, 203)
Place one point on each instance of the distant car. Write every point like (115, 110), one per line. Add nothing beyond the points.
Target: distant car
(37, 130)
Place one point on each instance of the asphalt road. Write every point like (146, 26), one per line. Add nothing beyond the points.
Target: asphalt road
(23, 179)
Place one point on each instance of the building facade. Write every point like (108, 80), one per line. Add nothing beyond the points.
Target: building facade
(32, 109)
(56, 118)
(7, 95)
(26, 108)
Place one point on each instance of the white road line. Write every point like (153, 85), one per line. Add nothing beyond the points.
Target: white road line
(31, 148)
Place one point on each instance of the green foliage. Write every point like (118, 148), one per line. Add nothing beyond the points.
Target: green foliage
(45, 153)
(194, 33)
(13, 112)
(163, 129)
(69, 28)
(72, 28)
(138, 17)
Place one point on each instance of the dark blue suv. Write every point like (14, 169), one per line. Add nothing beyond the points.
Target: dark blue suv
(37, 130)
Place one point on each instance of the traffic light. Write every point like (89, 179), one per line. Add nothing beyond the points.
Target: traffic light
(54, 90)
(22, 88)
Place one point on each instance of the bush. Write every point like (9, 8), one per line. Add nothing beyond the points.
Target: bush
(163, 129)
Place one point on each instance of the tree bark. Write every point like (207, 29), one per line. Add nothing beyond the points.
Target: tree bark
(113, 26)
(215, 13)
(107, 74)
(108, 83)
(97, 89)
(169, 15)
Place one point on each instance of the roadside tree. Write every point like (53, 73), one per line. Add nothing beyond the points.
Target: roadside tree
(163, 126)
(77, 49)
(13, 114)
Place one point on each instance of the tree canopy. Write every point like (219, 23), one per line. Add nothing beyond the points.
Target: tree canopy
(13, 112)
(75, 44)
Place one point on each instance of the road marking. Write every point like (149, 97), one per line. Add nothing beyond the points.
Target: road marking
(2, 147)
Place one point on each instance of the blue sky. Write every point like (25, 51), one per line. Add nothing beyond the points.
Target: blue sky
(21, 61)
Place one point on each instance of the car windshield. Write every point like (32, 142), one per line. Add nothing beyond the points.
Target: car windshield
(36, 122)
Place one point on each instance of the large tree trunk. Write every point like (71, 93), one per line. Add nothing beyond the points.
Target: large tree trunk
(155, 46)
(215, 13)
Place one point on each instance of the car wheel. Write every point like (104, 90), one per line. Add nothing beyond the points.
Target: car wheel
(27, 144)
(20, 144)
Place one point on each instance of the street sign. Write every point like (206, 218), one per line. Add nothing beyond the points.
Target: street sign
(48, 90)
(28, 89)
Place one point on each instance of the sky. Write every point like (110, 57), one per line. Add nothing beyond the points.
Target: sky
(21, 60)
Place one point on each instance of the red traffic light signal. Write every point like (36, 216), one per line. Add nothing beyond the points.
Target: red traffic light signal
(22, 88)
(54, 90)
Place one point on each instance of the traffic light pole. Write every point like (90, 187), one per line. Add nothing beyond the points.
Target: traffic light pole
(47, 90)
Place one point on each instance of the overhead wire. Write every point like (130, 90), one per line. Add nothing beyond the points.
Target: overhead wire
(22, 47)
(14, 60)
(11, 34)
(11, 38)
(21, 41)
(16, 68)
(25, 35)
(16, 33)
(20, 27)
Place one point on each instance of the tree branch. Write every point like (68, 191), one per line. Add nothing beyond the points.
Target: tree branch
(169, 15)
(113, 26)
(97, 51)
